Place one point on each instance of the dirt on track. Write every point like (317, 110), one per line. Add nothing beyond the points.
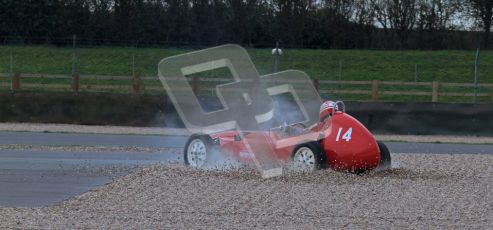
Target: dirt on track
(437, 191)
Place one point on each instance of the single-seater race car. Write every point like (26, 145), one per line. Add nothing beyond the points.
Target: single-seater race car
(343, 144)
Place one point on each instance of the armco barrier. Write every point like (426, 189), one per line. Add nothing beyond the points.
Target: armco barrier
(425, 118)
(155, 111)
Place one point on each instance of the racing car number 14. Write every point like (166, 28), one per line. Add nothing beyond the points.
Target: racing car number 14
(346, 136)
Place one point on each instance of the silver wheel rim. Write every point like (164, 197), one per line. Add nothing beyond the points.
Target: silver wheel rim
(196, 153)
(304, 159)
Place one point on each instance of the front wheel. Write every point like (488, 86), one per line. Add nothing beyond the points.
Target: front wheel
(197, 150)
(385, 160)
(308, 156)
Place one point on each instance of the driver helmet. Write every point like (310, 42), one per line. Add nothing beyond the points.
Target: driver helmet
(326, 109)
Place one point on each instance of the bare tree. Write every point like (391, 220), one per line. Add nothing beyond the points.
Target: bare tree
(482, 10)
(343, 8)
(381, 13)
(291, 17)
(399, 15)
(402, 17)
(364, 15)
(436, 14)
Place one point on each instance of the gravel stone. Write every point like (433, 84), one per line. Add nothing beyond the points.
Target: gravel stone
(424, 191)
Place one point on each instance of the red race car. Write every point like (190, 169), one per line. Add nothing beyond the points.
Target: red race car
(339, 141)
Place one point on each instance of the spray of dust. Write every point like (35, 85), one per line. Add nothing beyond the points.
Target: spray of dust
(286, 112)
(218, 160)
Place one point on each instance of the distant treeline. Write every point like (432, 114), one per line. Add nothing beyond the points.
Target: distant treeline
(363, 24)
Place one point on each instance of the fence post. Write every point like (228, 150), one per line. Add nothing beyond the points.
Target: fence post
(415, 76)
(136, 83)
(476, 76)
(340, 69)
(277, 53)
(16, 82)
(434, 91)
(195, 85)
(374, 90)
(75, 83)
(75, 75)
(315, 84)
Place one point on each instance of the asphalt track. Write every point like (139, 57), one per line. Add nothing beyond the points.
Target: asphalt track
(33, 178)
(34, 138)
(156, 141)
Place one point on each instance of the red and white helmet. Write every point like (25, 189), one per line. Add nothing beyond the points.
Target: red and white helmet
(326, 109)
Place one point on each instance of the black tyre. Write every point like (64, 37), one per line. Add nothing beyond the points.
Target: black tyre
(308, 156)
(385, 160)
(197, 150)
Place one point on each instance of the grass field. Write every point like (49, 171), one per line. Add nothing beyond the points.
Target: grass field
(450, 66)
(405, 65)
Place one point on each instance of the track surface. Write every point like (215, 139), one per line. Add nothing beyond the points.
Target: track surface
(34, 138)
(31, 178)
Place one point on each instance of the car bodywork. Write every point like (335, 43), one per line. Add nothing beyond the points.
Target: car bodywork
(346, 143)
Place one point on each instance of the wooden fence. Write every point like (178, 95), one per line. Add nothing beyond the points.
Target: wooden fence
(372, 90)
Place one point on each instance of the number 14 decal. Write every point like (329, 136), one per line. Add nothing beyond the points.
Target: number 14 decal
(346, 136)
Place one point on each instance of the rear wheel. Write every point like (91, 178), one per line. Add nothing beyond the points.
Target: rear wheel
(308, 156)
(197, 150)
(385, 160)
